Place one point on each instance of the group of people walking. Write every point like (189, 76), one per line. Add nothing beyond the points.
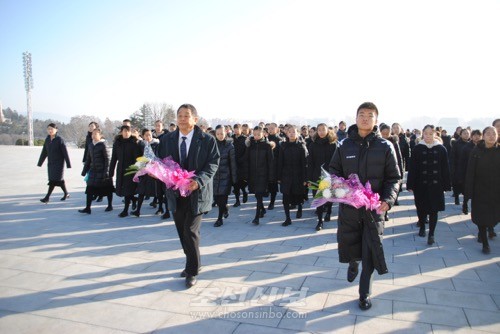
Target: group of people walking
(268, 159)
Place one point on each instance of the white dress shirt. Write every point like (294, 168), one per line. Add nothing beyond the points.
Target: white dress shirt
(189, 138)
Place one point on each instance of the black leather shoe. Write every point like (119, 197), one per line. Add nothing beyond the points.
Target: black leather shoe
(99, 199)
(319, 227)
(271, 206)
(65, 196)
(184, 274)
(236, 204)
(365, 303)
(430, 240)
(191, 281)
(287, 222)
(166, 215)
(45, 200)
(136, 213)
(255, 221)
(327, 217)
(299, 214)
(486, 250)
(109, 208)
(245, 197)
(159, 212)
(86, 210)
(226, 213)
(218, 223)
(421, 232)
(465, 209)
(123, 214)
(352, 271)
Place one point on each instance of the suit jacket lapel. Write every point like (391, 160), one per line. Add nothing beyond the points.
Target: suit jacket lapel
(193, 149)
(175, 148)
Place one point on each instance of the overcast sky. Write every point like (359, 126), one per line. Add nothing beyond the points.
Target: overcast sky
(260, 59)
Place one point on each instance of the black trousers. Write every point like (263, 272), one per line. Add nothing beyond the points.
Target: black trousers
(367, 266)
(188, 228)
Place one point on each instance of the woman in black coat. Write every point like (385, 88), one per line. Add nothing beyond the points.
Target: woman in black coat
(292, 173)
(455, 158)
(428, 179)
(482, 184)
(475, 136)
(239, 151)
(321, 151)
(54, 148)
(126, 150)
(259, 169)
(385, 132)
(147, 185)
(226, 174)
(97, 166)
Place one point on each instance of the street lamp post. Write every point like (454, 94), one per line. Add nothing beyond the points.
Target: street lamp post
(28, 84)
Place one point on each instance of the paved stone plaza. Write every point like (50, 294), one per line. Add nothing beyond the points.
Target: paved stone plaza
(66, 272)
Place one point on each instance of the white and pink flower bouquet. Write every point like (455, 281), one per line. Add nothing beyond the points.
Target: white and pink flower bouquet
(336, 189)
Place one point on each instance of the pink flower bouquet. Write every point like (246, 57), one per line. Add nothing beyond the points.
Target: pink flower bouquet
(166, 170)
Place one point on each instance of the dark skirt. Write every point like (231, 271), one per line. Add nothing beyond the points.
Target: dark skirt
(105, 189)
(293, 199)
(147, 186)
(56, 183)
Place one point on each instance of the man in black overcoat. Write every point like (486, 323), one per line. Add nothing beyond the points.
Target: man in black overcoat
(360, 232)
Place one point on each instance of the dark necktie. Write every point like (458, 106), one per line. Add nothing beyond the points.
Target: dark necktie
(183, 151)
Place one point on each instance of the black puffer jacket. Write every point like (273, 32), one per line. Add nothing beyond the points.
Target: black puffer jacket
(97, 163)
(374, 160)
(483, 183)
(57, 154)
(320, 154)
(292, 164)
(125, 153)
(429, 176)
(239, 152)
(226, 174)
(258, 168)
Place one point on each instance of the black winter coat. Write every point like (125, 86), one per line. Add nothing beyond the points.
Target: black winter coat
(292, 168)
(374, 160)
(455, 158)
(56, 152)
(258, 169)
(239, 152)
(404, 146)
(482, 184)
(395, 142)
(125, 153)
(464, 160)
(320, 154)
(203, 159)
(147, 185)
(88, 141)
(97, 165)
(226, 174)
(429, 176)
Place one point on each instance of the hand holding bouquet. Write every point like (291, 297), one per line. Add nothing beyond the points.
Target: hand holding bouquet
(336, 189)
(166, 170)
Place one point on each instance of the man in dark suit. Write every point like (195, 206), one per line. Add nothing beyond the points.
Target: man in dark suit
(195, 151)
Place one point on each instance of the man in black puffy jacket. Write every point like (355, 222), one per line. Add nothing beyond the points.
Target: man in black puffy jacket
(359, 234)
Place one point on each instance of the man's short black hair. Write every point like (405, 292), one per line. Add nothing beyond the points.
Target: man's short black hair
(367, 105)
